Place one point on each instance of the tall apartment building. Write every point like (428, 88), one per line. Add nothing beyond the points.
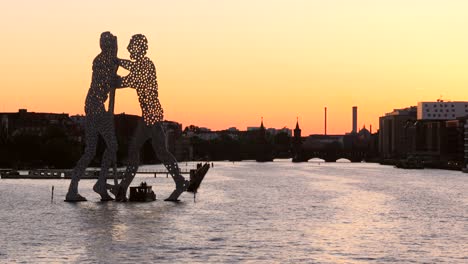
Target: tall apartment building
(394, 140)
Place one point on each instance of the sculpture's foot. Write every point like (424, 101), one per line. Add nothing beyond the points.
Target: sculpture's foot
(74, 197)
(121, 199)
(120, 194)
(106, 198)
(170, 200)
(174, 197)
(181, 187)
(114, 189)
(102, 192)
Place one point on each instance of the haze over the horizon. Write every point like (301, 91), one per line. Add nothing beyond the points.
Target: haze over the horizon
(227, 63)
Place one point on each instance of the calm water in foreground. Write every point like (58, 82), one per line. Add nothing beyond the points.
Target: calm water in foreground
(248, 212)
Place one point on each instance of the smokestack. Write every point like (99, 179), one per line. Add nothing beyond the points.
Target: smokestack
(325, 121)
(354, 119)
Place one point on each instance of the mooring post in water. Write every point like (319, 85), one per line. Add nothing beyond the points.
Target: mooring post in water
(52, 197)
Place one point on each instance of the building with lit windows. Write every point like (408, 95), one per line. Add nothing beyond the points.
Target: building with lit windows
(441, 110)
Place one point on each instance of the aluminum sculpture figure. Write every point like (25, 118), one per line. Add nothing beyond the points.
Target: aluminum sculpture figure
(142, 77)
(98, 121)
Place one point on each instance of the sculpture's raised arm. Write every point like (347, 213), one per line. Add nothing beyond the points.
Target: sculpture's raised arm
(126, 64)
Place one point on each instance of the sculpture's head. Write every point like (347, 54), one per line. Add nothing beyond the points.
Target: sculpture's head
(138, 46)
(108, 43)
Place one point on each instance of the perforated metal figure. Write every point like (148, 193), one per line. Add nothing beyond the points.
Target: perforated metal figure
(98, 121)
(142, 77)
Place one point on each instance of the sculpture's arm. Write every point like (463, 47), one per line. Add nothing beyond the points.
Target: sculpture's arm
(126, 64)
(118, 82)
(126, 82)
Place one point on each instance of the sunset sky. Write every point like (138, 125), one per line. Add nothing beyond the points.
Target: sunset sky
(228, 63)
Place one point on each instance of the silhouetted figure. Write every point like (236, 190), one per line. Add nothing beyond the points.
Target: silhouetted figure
(98, 120)
(142, 77)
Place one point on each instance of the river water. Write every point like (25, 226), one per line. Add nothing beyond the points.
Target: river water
(248, 212)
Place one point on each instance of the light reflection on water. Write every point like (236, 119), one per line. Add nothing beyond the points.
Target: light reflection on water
(248, 212)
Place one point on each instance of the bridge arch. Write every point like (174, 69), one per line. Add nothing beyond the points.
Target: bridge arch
(315, 159)
(333, 156)
(343, 160)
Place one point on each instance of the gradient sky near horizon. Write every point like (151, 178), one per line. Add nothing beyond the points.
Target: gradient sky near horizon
(227, 63)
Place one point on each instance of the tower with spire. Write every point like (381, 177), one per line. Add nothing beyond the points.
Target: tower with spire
(297, 130)
(262, 128)
(264, 150)
(297, 143)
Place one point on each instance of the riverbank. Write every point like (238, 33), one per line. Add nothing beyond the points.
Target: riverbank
(53, 174)
(423, 164)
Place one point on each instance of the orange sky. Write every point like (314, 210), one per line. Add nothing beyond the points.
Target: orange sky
(227, 63)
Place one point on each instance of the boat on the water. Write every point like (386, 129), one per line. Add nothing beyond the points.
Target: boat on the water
(142, 193)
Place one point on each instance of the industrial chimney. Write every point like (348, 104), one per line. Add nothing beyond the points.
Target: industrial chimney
(325, 121)
(354, 120)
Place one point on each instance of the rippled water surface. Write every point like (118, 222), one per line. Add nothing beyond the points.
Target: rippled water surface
(250, 212)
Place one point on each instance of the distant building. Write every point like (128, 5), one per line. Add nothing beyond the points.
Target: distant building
(275, 131)
(436, 142)
(323, 141)
(203, 135)
(24, 122)
(79, 120)
(253, 128)
(393, 133)
(183, 149)
(364, 133)
(441, 110)
(272, 131)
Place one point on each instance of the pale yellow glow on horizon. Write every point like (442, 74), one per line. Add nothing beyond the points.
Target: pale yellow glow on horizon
(227, 63)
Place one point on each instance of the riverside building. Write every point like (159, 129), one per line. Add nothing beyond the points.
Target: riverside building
(441, 110)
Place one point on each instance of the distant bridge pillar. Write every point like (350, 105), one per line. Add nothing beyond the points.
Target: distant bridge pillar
(465, 131)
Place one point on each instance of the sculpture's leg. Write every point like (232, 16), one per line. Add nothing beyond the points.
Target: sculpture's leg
(90, 151)
(107, 132)
(160, 148)
(137, 142)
